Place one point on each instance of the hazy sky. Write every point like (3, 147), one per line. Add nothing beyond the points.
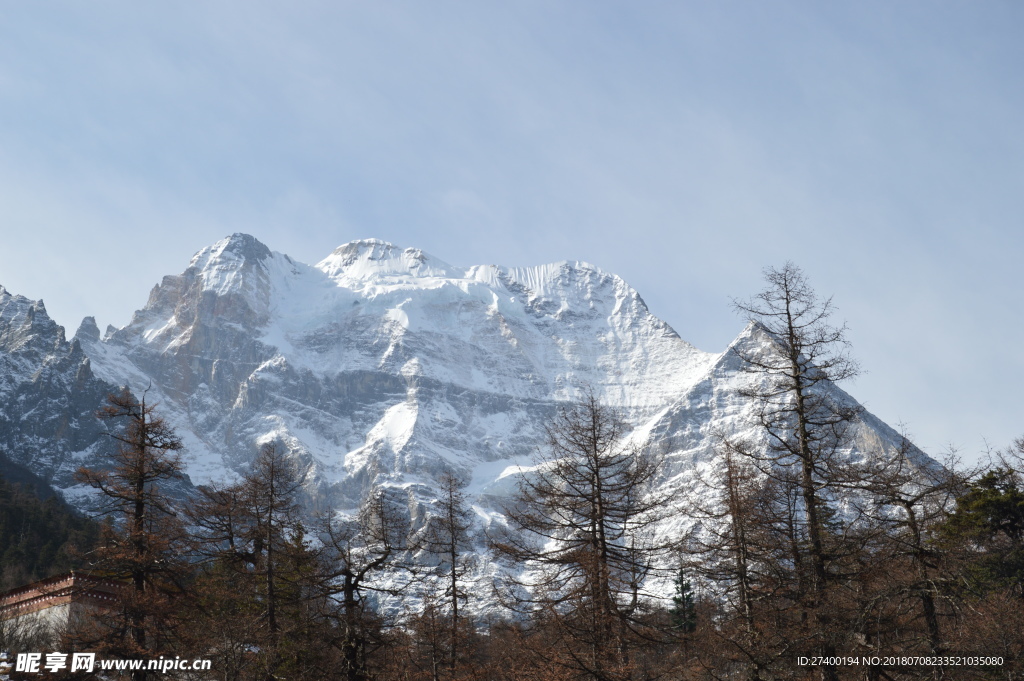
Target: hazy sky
(681, 145)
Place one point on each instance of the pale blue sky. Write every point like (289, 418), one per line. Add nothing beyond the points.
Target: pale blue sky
(682, 145)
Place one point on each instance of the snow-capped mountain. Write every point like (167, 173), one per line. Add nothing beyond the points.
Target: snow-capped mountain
(377, 366)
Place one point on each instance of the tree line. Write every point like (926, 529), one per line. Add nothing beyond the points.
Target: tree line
(801, 556)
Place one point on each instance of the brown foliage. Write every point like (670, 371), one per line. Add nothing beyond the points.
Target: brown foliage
(142, 546)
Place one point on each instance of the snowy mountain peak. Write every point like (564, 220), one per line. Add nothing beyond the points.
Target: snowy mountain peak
(236, 247)
(226, 285)
(753, 342)
(754, 336)
(374, 259)
(226, 266)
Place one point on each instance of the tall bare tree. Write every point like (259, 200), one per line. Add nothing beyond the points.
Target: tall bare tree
(581, 527)
(447, 536)
(906, 503)
(735, 548)
(806, 422)
(356, 549)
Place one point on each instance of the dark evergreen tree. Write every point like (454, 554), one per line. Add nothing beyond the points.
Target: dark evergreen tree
(683, 613)
(987, 526)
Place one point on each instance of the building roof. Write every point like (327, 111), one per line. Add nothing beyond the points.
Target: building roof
(70, 587)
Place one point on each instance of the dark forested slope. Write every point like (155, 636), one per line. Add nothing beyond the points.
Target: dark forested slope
(39, 534)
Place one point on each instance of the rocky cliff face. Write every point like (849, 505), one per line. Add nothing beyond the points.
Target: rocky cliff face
(48, 392)
(379, 366)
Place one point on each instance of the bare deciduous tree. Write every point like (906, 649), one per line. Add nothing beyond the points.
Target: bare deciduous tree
(806, 424)
(447, 536)
(356, 549)
(581, 527)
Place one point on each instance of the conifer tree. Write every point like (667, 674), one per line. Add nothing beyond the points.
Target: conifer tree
(988, 526)
(806, 425)
(982, 559)
(143, 545)
(260, 573)
(39, 538)
(581, 523)
(683, 612)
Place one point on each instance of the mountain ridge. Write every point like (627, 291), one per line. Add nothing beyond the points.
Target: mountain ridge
(383, 366)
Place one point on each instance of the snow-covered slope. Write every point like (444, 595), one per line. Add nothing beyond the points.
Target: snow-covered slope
(383, 365)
